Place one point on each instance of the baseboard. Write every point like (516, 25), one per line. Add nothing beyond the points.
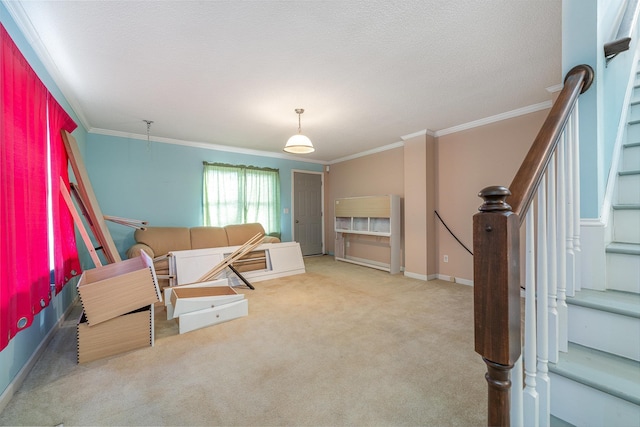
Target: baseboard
(18, 380)
(368, 263)
(411, 275)
(453, 279)
(424, 277)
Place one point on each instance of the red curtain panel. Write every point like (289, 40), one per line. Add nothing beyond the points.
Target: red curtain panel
(67, 264)
(24, 264)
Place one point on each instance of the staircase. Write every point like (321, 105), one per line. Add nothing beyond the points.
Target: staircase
(597, 382)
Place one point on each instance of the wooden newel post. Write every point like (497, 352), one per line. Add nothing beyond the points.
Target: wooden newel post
(496, 278)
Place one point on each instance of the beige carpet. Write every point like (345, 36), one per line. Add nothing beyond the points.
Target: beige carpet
(339, 345)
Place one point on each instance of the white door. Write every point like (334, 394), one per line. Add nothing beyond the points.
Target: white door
(307, 212)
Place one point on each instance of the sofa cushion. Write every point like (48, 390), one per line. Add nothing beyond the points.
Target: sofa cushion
(208, 237)
(164, 239)
(239, 234)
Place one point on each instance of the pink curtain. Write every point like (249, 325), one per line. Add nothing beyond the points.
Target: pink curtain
(67, 263)
(24, 264)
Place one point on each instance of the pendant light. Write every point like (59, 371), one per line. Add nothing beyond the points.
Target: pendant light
(298, 143)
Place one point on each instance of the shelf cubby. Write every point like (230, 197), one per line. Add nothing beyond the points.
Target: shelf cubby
(373, 216)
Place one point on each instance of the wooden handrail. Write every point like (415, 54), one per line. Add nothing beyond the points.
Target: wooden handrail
(624, 33)
(496, 248)
(526, 181)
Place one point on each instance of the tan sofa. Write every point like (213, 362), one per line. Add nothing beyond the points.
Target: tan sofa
(159, 241)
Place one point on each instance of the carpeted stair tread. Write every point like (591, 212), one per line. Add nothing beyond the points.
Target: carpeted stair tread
(626, 173)
(615, 375)
(623, 248)
(558, 422)
(617, 302)
(626, 207)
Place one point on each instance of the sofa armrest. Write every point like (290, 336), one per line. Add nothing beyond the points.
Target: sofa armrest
(134, 250)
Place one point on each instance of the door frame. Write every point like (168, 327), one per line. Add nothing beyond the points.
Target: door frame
(293, 202)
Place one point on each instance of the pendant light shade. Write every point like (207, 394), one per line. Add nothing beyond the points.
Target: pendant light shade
(299, 144)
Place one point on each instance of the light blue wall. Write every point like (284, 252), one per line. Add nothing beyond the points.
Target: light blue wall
(22, 347)
(586, 27)
(162, 183)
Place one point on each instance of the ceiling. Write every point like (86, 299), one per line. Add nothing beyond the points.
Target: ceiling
(231, 73)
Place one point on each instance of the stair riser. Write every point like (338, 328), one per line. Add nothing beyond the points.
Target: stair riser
(631, 158)
(582, 405)
(623, 272)
(625, 225)
(629, 189)
(634, 111)
(605, 331)
(633, 132)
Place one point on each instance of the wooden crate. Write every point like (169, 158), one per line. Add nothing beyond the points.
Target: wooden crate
(123, 333)
(115, 289)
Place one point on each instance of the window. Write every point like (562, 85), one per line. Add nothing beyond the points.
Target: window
(241, 194)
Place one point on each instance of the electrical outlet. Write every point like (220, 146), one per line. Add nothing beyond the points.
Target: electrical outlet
(446, 258)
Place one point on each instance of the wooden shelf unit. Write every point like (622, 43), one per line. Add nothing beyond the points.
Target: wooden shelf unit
(373, 216)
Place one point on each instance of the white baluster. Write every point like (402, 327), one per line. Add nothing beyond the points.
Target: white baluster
(543, 384)
(575, 121)
(552, 263)
(517, 384)
(569, 188)
(530, 395)
(561, 243)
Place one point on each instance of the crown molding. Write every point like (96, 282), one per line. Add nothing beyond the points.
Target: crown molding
(203, 145)
(556, 88)
(368, 152)
(31, 35)
(496, 118)
(422, 132)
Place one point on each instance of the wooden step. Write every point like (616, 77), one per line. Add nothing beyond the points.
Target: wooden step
(633, 130)
(626, 218)
(629, 187)
(631, 156)
(607, 321)
(593, 377)
(557, 422)
(623, 267)
(615, 375)
(623, 248)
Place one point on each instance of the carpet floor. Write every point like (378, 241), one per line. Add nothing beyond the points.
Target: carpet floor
(339, 345)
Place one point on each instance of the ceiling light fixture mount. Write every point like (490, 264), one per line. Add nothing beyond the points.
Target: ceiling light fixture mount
(298, 143)
(148, 122)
